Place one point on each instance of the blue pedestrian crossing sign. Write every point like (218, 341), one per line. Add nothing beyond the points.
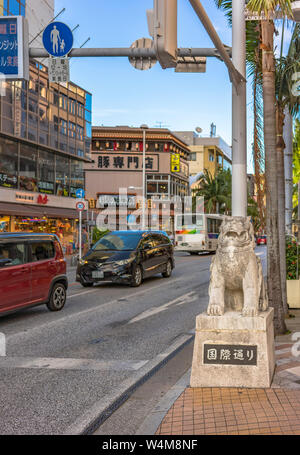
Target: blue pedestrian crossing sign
(80, 194)
(58, 39)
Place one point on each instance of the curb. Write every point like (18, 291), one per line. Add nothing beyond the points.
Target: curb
(103, 409)
(151, 423)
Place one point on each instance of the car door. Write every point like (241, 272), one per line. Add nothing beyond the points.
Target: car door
(160, 254)
(15, 275)
(43, 268)
(147, 252)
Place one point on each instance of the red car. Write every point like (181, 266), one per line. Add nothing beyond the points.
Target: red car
(261, 240)
(32, 272)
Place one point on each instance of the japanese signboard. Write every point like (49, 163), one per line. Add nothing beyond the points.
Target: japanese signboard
(59, 69)
(14, 48)
(107, 200)
(132, 162)
(255, 16)
(229, 354)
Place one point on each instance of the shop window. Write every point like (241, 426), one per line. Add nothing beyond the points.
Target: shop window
(46, 172)
(62, 176)
(8, 163)
(28, 168)
(77, 177)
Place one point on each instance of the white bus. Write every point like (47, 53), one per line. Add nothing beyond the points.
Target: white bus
(197, 232)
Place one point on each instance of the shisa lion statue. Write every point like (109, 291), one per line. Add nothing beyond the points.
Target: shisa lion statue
(237, 282)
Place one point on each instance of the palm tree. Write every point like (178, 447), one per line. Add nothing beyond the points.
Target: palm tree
(266, 47)
(215, 190)
(286, 67)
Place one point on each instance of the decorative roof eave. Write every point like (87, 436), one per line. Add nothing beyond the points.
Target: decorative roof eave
(139, 136)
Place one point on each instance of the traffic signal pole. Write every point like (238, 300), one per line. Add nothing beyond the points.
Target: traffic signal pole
(239, 113)
(237, 73)
(129, 52)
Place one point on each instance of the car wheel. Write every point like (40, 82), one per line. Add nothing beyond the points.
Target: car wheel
(86, 285)
(137, 277)
(168, 271)
(58, 297)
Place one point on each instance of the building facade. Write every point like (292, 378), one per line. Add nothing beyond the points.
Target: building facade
(117, 162)
(45, 139)
(210, 153)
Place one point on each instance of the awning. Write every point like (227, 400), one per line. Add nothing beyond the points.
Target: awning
(7, 208)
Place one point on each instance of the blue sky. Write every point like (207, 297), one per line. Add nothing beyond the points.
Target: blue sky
(123, 95)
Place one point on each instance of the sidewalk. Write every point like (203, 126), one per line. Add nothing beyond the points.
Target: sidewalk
(239, 411)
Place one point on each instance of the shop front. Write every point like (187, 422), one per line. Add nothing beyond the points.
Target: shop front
(42, 218)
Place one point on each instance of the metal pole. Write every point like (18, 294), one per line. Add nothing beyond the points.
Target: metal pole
(80, 235)
(130, 52)
(234, 72)
(144, 179)
(288, 169)
(239, 116)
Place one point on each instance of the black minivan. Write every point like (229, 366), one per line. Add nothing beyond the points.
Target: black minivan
(127, 257)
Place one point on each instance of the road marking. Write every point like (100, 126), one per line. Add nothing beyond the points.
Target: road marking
(49, 363)
(185, 298)
(87, 311)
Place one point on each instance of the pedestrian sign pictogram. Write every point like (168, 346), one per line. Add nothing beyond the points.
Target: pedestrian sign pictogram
(58, 39)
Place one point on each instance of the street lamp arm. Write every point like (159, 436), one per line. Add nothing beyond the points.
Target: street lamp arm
(235, 76)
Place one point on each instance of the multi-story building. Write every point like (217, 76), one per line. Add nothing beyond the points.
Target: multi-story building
(45, 138)
(117, 155)
(210, 153)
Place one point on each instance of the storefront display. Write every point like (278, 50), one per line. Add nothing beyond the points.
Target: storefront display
(66, 229)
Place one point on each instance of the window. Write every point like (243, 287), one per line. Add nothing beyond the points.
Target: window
(72, 106)
(8, 164)
(63, 126)
(72, 130)
(28, 168)
(12, 254)
(211, 157)
(63, 102)
(213, 225)
(80, 110)
(62, 176)
(193, 156)
(42, 251)
(46, 172)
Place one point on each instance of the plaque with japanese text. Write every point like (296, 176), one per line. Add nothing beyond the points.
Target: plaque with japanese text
(228, 354)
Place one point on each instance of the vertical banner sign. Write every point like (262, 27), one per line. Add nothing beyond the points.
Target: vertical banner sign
(14, 48)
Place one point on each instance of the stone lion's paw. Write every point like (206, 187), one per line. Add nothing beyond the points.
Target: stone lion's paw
(215, 310)
(250, 312)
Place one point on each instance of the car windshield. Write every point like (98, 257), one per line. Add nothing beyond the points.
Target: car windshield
(118, 241)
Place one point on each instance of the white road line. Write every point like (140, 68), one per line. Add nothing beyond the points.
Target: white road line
(84, 312)
(47, 363)
(185, 298)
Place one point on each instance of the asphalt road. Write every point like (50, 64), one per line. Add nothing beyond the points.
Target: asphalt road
(62, 368)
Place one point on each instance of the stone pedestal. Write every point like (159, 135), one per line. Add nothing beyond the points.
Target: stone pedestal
(234, 351)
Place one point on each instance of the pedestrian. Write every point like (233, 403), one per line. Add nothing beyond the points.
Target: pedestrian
(84, 241)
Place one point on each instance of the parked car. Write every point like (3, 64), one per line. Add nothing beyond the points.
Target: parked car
(32, 272)
(261, 240)
(127, 257)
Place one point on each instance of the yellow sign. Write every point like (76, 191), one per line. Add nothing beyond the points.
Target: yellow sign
(175, 162)
(175, 159)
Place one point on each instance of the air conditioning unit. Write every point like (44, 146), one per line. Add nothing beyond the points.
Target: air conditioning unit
(296, 10)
